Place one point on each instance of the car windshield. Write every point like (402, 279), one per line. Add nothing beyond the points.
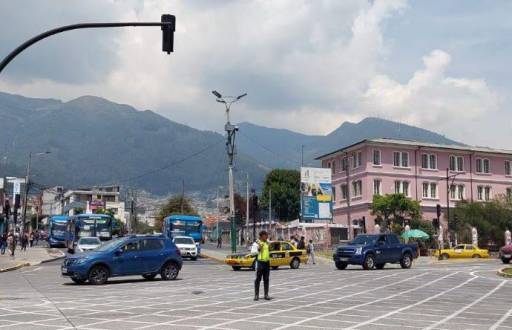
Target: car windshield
(363, 240)
(89, 241)
(183, 240)
(110, 245)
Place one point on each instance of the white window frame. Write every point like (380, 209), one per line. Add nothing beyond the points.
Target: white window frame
(343, 192)
(380, 157)
(344, 164)
(401, 159)
(379, 186)
(481, 193)
(358, 159)
(456, 163)
(401, 187)
(509, 162)
(482, 166)
(429, 165)
(459, 192)
(431, 193)
(357, 187)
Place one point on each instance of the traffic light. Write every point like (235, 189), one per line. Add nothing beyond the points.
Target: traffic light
(168, 33)
(438, 209)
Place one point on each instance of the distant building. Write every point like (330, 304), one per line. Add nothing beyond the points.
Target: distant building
(52, 199)
(104, 197)
(418, 170)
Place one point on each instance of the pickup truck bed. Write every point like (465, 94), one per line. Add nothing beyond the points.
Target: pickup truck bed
(374, 251)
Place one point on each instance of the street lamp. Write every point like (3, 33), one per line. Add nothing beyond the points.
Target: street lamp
(27, 187)
(448, 191)
(230, 148)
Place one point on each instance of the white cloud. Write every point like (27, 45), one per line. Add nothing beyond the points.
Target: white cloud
(430, 98)
(306, 65)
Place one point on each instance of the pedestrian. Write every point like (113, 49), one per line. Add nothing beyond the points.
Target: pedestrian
(24, 242)
(11, 243)
(261, 249)
(3, 243)
(31, 239)
(311, 252)
(302, 243)
(219, 242)
(293, 241)
(36, 237)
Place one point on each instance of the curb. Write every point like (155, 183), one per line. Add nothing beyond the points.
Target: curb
(501, 273)
(18, 266)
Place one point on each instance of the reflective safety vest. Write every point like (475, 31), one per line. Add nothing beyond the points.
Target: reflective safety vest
(263, 254)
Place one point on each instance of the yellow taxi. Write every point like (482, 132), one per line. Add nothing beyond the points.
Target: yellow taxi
(462, 251)
(281, 254)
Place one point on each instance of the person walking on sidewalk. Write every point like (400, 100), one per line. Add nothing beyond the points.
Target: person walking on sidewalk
(262, 265)
(11, 243)
(3, 243)
(219, 242)
(31, 239)
(24, 242)
(311, 252)
(302, 243)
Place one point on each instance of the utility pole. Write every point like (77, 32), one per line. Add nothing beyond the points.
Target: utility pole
(27, 187)
(269, 208)
(230, 148)
(247, 209)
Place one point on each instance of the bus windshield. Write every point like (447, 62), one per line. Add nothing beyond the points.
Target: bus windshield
(186, 225)
(58, 228)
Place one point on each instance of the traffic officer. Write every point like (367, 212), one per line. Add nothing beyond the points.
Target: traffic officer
(262, 265)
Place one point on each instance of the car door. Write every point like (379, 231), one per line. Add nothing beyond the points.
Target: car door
(128, 260)
(458, 251)
(469, 250)
(382, 250)
(276, 255)
(152, 254)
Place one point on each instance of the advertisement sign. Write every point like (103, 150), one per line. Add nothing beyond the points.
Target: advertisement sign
(316, 193)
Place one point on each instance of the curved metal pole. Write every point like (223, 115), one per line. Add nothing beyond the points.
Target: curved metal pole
(48, 33)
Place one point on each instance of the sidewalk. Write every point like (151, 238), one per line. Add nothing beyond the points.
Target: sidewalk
(33, 256)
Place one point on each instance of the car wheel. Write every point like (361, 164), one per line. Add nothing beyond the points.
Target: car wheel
(379, 266)
(444, 256)
(149, 277)
(98, 275)
(369, 262)
(169, 271)
(275, 267)
(78, 280)
(237, 267)
(475, 256)
(295, 263)
(505, 261)
(406, 261)
(341, 265)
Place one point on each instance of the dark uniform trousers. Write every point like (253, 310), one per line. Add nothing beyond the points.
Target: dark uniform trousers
(262, 270)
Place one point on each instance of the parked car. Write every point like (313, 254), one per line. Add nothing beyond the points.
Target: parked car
(281, 254)
(462, 251)
(148, 256)
(85, 244)
(506, 253)
(188, 247)
(375, 251)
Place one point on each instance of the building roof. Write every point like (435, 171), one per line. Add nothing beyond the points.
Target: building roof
(421, 144)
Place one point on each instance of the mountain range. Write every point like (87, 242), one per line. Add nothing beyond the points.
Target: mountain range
(93, 141)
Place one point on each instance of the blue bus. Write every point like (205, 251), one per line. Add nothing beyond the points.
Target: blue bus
(184, 225)
(89, 225)
(58, 230)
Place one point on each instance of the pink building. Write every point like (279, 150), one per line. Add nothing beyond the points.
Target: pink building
(419, 170)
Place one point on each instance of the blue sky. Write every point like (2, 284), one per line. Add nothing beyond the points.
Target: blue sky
(306, 65)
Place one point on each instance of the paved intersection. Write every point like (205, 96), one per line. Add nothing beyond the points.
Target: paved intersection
(211, 296)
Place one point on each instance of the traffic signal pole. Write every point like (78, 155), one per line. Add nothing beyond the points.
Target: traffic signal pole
(168, 23)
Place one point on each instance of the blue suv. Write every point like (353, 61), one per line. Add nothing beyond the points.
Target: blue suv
(134, 255)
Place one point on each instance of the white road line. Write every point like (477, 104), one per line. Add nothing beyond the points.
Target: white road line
(367, 303)
(318, 303)
(501, 320)
(413, 305)
(451, 316)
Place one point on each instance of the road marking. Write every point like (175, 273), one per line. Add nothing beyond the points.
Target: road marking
(501, 320)
(451, 316)
(415, 304)
(316, 303)
(367, 303)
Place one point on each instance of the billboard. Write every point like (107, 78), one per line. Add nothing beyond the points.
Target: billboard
(316, 194)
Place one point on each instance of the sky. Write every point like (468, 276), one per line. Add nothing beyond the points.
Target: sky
(306, 66)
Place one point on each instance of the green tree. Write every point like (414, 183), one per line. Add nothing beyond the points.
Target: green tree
(285, 185)
(394, 209)
(491, 219)
(175, 205)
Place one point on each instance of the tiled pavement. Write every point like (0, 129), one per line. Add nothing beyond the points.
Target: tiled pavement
(211, 296)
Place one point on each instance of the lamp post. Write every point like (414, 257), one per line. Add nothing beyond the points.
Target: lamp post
(27, 187)
(448, 190)
(230, 148)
